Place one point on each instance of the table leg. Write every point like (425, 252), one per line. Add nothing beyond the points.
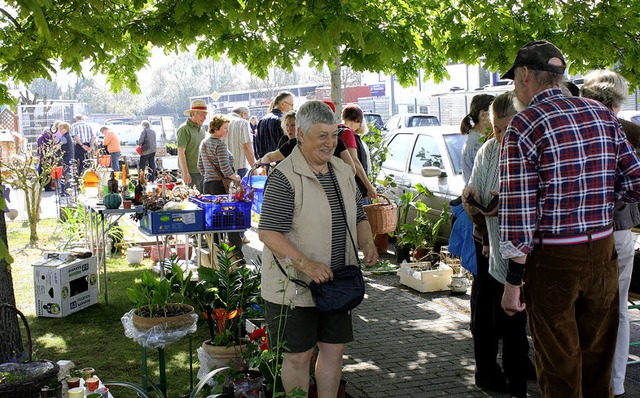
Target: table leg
(103, 257)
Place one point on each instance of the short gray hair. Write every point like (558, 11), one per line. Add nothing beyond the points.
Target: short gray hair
(503, 106)
(282, 95)
(312, 112)
(145, 124)
(241, 109)
(605, 86)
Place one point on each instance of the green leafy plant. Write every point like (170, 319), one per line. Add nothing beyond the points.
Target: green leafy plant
(223, 294)
(157, 293)
(410, 200)
(377, 150)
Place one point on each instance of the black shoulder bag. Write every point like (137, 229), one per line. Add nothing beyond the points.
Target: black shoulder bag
(346, 290)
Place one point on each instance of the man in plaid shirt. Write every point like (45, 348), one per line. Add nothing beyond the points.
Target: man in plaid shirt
(564, 162)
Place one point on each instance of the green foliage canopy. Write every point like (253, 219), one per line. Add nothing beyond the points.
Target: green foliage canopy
(399, 37)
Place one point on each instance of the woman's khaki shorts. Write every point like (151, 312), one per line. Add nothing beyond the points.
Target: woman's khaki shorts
(302, 327)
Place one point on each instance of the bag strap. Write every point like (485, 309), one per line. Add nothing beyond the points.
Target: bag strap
(342, 208)
(344, 216)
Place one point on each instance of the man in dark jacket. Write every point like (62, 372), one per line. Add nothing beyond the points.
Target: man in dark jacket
(269, 130)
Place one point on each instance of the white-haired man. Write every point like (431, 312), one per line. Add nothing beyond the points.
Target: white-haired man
(240, 140)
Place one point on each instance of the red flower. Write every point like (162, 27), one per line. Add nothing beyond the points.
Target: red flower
(265, 345)
(258, 334)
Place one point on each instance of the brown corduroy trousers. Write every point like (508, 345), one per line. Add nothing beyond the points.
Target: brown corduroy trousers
(572, 304)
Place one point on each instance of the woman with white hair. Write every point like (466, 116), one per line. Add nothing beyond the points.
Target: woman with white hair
(612, 90)
(311, 221)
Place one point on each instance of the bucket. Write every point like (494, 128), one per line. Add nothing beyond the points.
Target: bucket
(104, 160)
(180, 248)
(135, 255)
(155, 252)
(56, 173)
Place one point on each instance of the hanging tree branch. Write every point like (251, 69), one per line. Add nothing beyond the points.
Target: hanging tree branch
(15, 22)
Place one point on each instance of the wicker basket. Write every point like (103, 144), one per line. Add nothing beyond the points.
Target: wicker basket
(32, 375)
(382, 216)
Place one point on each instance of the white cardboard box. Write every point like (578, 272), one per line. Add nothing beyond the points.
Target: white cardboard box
(434, 280)
(62, 288)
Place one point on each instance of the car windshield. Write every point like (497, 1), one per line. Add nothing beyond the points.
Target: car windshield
(420, 121)
(454, 143)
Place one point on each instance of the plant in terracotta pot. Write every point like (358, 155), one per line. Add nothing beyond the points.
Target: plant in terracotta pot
(161, 300)
(222, 295)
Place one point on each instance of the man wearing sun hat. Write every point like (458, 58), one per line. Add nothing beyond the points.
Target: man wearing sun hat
(564, 162)
(190, 134)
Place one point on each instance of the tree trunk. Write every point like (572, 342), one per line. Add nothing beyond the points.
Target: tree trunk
(11, 341)
(336, 85)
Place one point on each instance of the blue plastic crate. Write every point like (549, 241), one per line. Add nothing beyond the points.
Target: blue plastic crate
(162, 222)
(222, 216)
(257, 183)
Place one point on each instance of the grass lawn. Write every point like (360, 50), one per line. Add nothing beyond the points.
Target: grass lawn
(94, 337)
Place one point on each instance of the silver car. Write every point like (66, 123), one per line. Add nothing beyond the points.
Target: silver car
(430, 156)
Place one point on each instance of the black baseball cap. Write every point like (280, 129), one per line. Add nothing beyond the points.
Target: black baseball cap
(536, 55)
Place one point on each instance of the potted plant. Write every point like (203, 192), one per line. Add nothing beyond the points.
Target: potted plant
(221, 295)
(407, 201)
(161, 300)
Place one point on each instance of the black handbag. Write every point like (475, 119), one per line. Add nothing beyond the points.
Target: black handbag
(346, 290)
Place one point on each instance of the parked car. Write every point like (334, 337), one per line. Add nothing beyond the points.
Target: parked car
(632, 116)
(431, 156)
(405, 120)
(374, 118)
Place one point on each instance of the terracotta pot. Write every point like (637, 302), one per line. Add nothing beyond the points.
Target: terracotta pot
(171, 322)
(382, 243)
(420, 254)
(224, 354)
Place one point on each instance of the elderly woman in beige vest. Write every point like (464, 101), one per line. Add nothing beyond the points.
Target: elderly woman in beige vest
(310, 201)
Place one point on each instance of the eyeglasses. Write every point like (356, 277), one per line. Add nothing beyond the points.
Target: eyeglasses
(288, 103)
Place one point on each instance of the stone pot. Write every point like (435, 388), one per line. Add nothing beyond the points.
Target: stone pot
(459, 284)
(135, 255)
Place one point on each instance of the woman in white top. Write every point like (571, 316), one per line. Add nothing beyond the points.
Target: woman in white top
(474, 125)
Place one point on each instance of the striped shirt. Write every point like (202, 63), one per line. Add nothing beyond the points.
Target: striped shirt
(278, 208)
(214, 152)
(563, 162)
(83, 131)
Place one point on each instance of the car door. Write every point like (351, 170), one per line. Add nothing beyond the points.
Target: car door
(395, 165)
(426, 152)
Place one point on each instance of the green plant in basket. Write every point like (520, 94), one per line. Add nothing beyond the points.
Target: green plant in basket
(153, 295)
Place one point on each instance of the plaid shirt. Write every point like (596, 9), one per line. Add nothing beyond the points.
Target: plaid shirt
(563, 162)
